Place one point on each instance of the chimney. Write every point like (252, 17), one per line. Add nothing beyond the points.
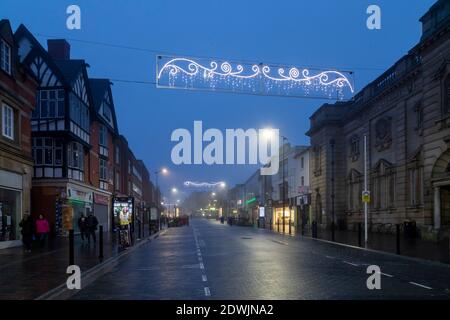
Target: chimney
(59, 49)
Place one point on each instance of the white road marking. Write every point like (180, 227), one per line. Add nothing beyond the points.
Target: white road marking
(207, 292)
(387, 275)
(420, 285)
(350, 263)
(199, 253)
(330, 257)
(202, 266)
(204, 278)
(200, 259)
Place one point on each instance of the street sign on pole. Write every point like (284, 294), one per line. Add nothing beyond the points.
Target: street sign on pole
(366, 196)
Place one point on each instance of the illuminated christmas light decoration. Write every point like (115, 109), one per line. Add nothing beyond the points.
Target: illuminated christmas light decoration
(204, 184)
(207, 74)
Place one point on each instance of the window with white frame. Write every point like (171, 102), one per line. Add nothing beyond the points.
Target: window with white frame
(50, 104)
(103, 170)
(8, 122)
(5, 56)
(47, 151)
(103, 135)
(75, 155)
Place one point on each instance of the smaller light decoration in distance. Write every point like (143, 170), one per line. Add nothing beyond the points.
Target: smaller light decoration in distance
(206, 185)
(253, 78)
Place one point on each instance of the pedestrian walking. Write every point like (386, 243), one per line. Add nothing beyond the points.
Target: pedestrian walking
(83, 227)
(27, 226)
(42, 229)
(91, 227)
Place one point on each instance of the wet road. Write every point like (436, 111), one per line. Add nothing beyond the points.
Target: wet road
(208, 260)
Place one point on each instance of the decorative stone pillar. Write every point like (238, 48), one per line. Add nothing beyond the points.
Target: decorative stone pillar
(437, 208)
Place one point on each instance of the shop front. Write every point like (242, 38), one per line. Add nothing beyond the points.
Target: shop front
(10, 208)
(76, 202)
(101, 209)
(284, 223)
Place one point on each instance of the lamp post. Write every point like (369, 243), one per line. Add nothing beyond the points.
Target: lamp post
(332, 143)
(283, 184)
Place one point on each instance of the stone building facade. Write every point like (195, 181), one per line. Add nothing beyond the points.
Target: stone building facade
(405, 116)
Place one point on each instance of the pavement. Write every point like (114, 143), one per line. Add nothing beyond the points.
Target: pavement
(209, 260)
(413, 247)
(26, 276)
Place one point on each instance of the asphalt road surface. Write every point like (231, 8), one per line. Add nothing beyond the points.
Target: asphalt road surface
(208, 260)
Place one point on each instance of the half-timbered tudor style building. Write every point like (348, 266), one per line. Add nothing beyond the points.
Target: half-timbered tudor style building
(17, 97)
(64, 183)
(104, 133)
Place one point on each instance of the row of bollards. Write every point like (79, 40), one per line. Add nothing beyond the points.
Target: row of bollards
(397, 236)
(72, 245)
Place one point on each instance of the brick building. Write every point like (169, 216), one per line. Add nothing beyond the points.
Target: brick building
(17, 98)
(405, 116)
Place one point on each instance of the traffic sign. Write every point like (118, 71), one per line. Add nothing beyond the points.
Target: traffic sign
(366, 196)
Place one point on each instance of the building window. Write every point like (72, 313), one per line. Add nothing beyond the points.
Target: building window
(5, 57)
(446, 106)
(103, 170)
(75, 155)
(415, 178)
(136, 173)
(117, 155)
(354, 147)
(317, 160)
(117, 181)
(303, 181)
(8, 122)
(302, 162)
(47, 151)
(383, 186)
(79, 112)
(103, 135)
(50, 104)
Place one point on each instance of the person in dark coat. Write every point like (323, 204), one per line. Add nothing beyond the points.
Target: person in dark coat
(27, 231)
(91, 227)
(83, 227)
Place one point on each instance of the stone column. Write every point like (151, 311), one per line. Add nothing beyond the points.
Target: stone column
(437, 208)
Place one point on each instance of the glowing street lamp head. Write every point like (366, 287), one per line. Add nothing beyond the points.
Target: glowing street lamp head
(164, 171)
(268, 133)
(223, 184)
(213, 194)
(174, 190)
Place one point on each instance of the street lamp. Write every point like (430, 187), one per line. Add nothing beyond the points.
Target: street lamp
(164, 171)
(270, 134)
(174, 190)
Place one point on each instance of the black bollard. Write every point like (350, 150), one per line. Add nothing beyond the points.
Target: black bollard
(398, 238)
(332, 231)
(314, 229)
(359, 234)
(71, 248)
(139, 230)
(100, 240)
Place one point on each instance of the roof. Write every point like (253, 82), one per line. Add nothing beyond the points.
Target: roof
(98, 89)
(70, 68)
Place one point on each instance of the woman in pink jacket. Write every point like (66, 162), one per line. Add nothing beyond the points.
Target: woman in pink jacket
(42, 229)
